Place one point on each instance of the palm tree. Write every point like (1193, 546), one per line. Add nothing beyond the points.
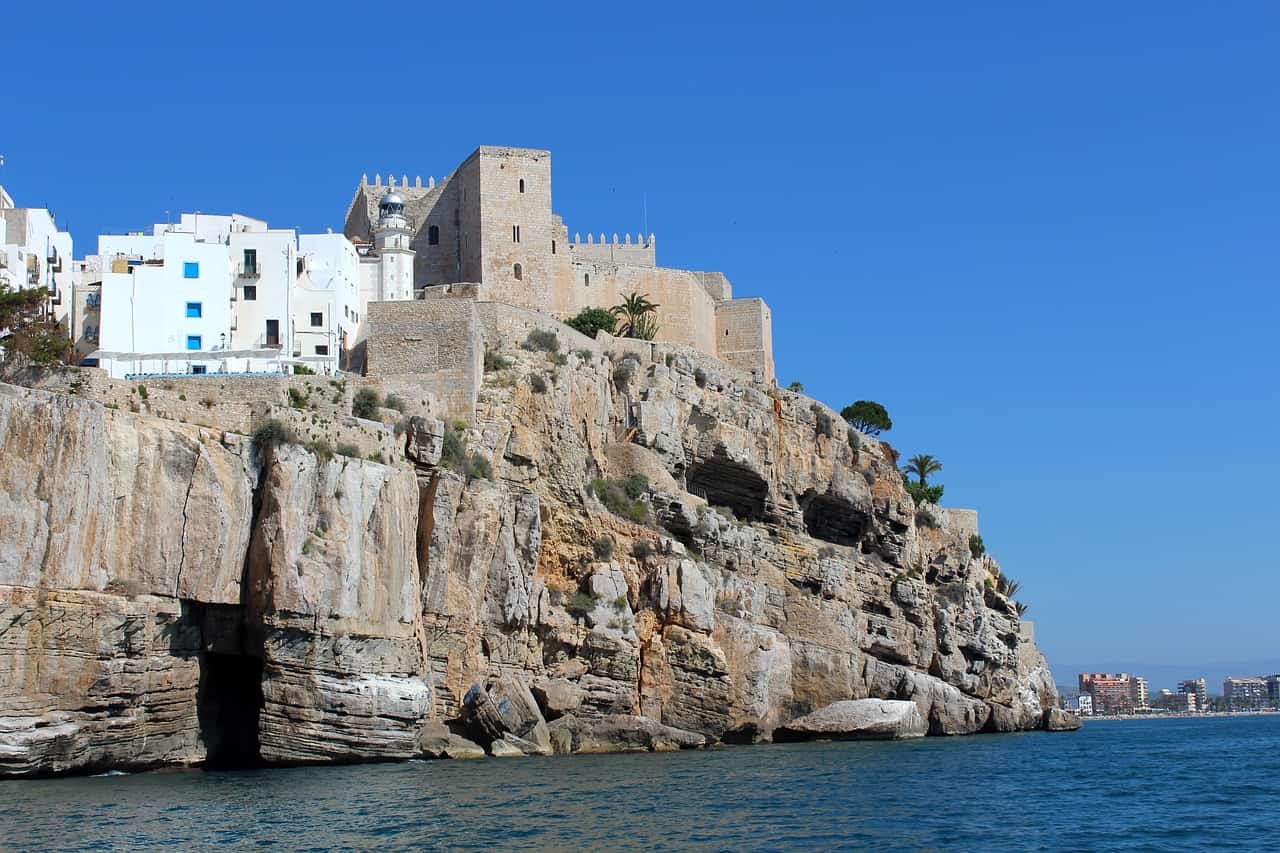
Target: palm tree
(922, 465)
(636, 313)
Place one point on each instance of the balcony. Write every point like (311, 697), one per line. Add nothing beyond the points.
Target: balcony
(248, 271)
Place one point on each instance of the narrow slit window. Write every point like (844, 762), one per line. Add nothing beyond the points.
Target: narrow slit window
(522, 185)
(433, 235)
(517, 272)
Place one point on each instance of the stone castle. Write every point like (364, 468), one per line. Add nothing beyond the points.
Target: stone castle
(488, 232)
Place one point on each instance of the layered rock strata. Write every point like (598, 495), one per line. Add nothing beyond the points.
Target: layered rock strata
(645, 554)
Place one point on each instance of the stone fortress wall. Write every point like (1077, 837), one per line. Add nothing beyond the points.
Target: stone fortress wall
(491, 223)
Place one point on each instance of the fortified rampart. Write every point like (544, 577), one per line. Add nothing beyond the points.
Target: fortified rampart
(491, 222)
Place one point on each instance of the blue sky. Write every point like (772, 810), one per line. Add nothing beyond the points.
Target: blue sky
(1045, 239)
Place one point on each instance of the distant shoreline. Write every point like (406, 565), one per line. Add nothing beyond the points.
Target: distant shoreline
(1176, 716)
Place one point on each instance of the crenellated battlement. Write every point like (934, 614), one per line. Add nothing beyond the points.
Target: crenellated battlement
(641, 252)
(391, 181)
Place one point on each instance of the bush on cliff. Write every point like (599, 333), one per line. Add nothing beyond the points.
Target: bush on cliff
(494, 361)
(592, 320)
(542, 340)
(581, 604)
(867, 416)
(616, 495)
(365, 404)
(976, 546)
(922, 494)
(269, 436)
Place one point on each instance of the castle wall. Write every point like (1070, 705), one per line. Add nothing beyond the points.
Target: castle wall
(436, 340)
(744, 336)
(686, 312)
(642, 253)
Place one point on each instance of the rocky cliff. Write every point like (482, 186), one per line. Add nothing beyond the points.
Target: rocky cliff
(642, 554)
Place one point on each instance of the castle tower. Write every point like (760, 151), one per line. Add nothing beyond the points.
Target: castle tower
(391, 237)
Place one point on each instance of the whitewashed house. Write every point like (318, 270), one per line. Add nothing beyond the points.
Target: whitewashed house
(326, 301)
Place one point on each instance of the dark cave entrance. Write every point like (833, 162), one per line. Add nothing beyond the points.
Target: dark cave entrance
(229, 706)
(833, 519)
(723, 482)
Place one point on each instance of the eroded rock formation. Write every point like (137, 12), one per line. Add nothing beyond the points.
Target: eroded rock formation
(662, 556)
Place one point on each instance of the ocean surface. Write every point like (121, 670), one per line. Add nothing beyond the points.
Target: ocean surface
(1168, 784)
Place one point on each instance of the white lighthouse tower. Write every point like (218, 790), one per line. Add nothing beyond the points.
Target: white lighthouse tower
(391, 238)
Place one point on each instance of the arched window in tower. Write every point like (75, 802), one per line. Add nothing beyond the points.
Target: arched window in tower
(433, 235)
(519, 273)
(586, 279)
(522, 185)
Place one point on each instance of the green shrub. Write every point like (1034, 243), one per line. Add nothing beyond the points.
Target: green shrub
(976, 546)
(620, 603)
(584, 354)
(395, 401)
(269, 436)
(825, 424)
(623, 372)
(453, 452)
(589, 321)
(642, 549)
(855, 444)
(322, 449)
(494, 361)
(922, 494)
(348, 449)
(797, 387)
(537, 383)
(700, 377)
(602, 548)
(142, 391)
(541, 339)
(581, 604)
(461, 426)
(636, 485)
(376, 457)
(365, 404)
(478, 468)
(297, 399)
(925, 518)
(559, 359)
(303, 370)
(616, 497)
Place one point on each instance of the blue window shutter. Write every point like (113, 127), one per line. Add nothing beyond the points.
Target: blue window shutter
(195, 309)
(191, 269)
(193, 342)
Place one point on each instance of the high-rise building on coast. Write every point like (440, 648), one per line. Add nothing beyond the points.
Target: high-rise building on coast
(1197, 688)
(1114, 693)
(1245, 694)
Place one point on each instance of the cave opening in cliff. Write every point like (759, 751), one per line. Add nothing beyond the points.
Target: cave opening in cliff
(833, 519)
(229, 707)
(723, 482)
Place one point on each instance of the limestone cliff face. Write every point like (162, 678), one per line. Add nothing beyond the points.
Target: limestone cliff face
(170, 596)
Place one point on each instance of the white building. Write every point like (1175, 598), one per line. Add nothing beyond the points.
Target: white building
(1084, 705)
(327, 303)
(386, 268)
(223, 294)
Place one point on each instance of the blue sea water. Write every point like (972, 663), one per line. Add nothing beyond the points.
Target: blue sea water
(1154, 785)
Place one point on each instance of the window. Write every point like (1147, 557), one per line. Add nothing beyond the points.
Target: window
(317, 318)
(346, 310)
(191, 269)
(273, 333)
(522, 185)
(198, 369)
(519, 273)
(250, 293)
(433, 235)
(553, 247)
(322, 349)
(586, 279)
(250, 261)
(515, 233)
(195, 309)
(193, 342)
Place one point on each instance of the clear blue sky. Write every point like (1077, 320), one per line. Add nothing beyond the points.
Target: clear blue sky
(1046, 240)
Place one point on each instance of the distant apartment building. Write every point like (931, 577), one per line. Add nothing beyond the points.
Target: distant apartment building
(1182, 703)
(1197, 688)
(219, 294)
(1273, 690)
(1084, 705)
(1113, 693)
(1244, 694)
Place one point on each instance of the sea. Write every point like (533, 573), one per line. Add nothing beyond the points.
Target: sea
(1157, 785)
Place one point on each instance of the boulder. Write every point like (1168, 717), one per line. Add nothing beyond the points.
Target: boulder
(503, 749)
(1058, 720)
(857, 719)
(557, 697)
(506, 707)
(619, 733)
(436, 740)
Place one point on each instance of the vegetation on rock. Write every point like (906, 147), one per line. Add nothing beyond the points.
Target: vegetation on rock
(636, 313)
(589, 321)
(867, 416)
